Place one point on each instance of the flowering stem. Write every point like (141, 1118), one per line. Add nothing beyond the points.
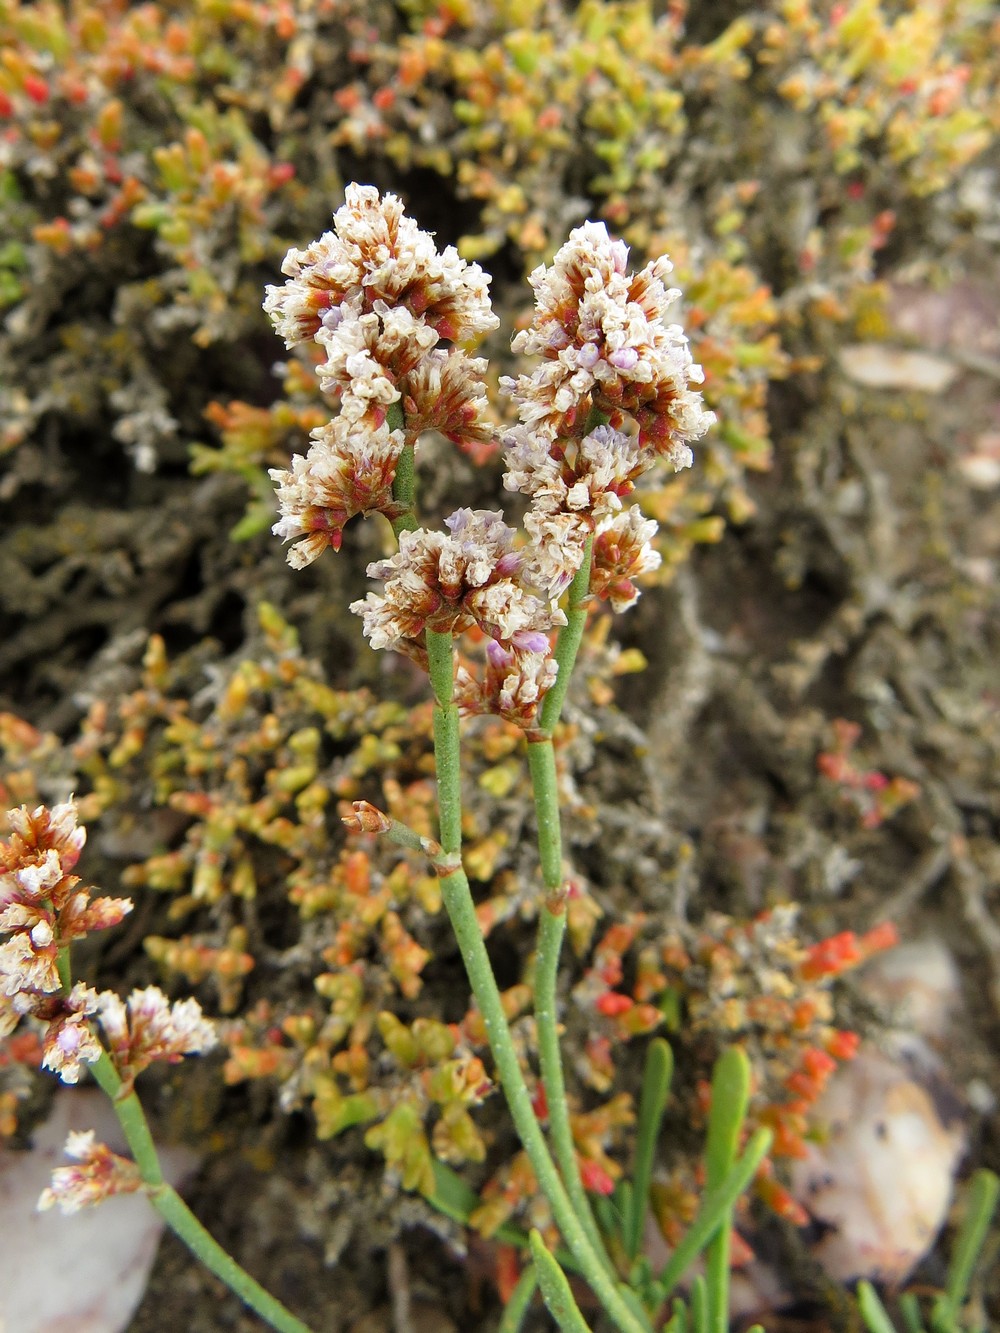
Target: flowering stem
(568, 644)
(551, 929)
(175, 1211)
(131, 1117)
(404, 483)
(205, 1247)
(552, 922)
(457, 897)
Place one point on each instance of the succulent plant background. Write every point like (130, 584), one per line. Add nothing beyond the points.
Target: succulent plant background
(790, 741)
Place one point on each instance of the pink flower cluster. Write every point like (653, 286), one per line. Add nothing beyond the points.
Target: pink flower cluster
(379, 298)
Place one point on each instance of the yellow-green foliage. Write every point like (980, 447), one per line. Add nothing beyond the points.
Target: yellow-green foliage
(159, 160)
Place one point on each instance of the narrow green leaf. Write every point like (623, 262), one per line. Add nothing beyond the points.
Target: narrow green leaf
(873, 1312)
(730, 1095)
(699, 1305)
(980, 1205)
(730, 1092)
(555, 1289)
(517, 1307)
(714, 1209)
(652, 1104)
(679, 1319)
(909, 1308)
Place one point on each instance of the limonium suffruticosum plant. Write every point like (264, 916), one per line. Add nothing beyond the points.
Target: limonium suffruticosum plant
(43, 909)
(611, 398)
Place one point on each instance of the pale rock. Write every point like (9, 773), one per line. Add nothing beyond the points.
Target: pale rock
(85, 1273)
(879, 367)
(882, 1178)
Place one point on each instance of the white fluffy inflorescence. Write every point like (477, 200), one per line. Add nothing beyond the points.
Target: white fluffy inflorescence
(606, 344)
(42, 907)
(99, 1174)
(149, 1028)
(379, 299)
(449, 582)
(613, 396)
(608, 356)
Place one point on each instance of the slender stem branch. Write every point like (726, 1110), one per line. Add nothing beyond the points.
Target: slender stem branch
(131, 1117)
(568, 644)
(551, 929)
(457, 897)
(552, 922)
(179, 1217)
(175, 1211)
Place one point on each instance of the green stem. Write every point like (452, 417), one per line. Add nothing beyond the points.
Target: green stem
(517, 1307)
(457, 897)
(556, 1289)
(568, 644)
(179, 1217)
(551, 930)
(131, 1117)
(552, 922)
(175, 1211)
(404, 483)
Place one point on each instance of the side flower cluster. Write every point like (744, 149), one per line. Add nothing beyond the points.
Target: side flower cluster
(449, 582)
(609, 356)
(379, 299)
(98, 1174)
(43, 909)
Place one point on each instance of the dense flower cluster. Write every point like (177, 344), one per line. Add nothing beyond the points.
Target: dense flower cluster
(378, 298)
(41, 906)
(612, 396)
(608, 355)
(449, 583)
(348, 471)
(100, 1173)
(376, 258)
(149, 1028)
(43, 910)
(607, 346)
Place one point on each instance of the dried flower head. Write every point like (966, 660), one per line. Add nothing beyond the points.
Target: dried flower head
(586, 477)
(554, 553)
(100, 1173)
(44, 847)
(607, 346)
(450, 582)
(375, 253)
(515, 681)
(622, 552)
(41, 907)
(347, 471)
(69, 1041)
(150, 1028)
(445, 392)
